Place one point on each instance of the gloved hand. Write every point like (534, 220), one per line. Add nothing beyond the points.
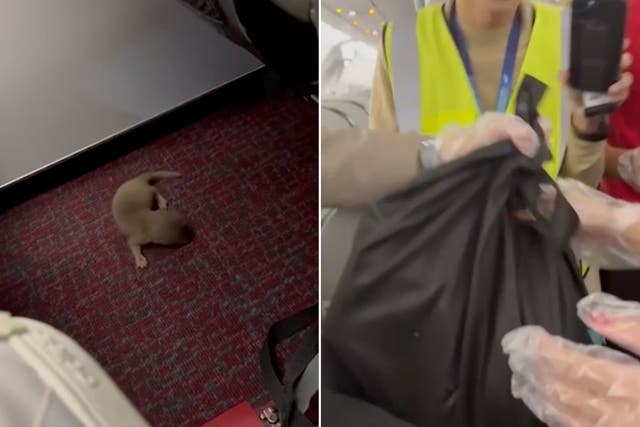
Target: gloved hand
(573, 385)
(609, 233)
(455, 142)
(629, 167)
(362, 166)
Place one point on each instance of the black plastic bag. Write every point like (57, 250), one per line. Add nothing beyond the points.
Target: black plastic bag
(438, 275)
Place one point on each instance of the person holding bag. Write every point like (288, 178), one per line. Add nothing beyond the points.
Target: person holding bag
(622, 174)
(453, 62)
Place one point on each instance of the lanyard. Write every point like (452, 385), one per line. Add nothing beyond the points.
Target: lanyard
(508, 66)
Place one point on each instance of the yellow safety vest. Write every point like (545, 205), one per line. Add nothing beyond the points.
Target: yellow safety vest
(424, 55)
(430, 85)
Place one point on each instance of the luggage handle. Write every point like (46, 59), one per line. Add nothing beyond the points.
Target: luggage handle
(283, 392)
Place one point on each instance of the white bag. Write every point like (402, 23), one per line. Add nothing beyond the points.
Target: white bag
(48, 380)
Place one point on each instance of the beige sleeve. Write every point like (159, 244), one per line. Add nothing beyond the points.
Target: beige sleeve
(584, 160)
(382, 114)
(361, 166)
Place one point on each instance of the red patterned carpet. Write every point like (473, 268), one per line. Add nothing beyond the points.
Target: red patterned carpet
(180, 338)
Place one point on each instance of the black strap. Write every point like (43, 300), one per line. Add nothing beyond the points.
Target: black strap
(563, 222)
(529, 96)
(283, 392)
(599, 135)
(560, 227)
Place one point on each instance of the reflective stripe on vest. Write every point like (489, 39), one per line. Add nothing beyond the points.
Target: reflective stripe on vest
(405, 52)
(431, 89)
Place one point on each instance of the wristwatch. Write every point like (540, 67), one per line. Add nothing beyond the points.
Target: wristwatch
(601, 133)
(430, 153)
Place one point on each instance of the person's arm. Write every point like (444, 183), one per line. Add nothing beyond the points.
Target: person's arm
(612, 156)
(361, 167)
(584, 160)
(382, 114)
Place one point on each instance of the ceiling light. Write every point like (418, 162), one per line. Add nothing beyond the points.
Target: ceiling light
(372, 11)
(352, 13)
(355, 23)
(338, 10)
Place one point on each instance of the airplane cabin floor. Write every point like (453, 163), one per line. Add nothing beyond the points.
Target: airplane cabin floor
(181, 338)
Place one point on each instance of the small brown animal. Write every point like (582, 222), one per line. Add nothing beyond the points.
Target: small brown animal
(133, 210)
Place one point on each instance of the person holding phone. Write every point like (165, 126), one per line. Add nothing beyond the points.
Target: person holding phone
(453, 62)
(622, 173)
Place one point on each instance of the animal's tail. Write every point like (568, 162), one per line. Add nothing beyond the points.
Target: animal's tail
(154, 177)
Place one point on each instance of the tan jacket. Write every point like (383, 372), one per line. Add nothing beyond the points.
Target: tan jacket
(360, 166)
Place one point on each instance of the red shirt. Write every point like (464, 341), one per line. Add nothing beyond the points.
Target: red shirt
(625, 122)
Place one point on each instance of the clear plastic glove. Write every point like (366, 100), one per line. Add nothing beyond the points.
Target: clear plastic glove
(629, 167)
(613, 318)
(456, 142)
(573, 385)
(609, 233)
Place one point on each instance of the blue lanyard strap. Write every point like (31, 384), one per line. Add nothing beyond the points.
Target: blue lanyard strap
(506, 76)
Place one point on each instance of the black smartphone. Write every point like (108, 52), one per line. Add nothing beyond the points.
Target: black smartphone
(597, 37)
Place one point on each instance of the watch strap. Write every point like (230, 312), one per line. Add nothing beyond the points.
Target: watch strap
(600, 134)
(430, 153)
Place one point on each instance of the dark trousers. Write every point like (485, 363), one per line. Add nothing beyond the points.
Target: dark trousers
(623, 284)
